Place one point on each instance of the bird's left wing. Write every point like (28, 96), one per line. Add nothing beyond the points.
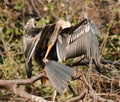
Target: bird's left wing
(71, 41)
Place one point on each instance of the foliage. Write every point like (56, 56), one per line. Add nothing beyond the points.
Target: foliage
(15, 13)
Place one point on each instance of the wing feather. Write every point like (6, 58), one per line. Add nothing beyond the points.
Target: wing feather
(30, 44)
(83, 40)
(94, 28)
(61, 48)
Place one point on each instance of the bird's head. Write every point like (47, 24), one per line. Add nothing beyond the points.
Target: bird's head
(59, 24)
(63, 24)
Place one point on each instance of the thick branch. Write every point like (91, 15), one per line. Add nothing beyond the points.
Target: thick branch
(21, 81)
(26, 95)
(13, 85)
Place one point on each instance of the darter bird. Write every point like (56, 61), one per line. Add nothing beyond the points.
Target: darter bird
(39, 42)
(57, 42)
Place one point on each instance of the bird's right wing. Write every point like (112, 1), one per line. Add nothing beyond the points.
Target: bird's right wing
(30, 44)
(30, 40)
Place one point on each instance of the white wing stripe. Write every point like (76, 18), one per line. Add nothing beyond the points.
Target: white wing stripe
(36, 39)
(78, 33)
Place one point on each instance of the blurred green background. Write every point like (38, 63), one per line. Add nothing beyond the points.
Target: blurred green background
(15, 13)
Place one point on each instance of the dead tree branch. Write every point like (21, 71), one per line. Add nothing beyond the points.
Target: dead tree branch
(13, 85)
(92, 93)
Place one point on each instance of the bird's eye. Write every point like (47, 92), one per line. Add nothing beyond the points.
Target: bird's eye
(35, 23)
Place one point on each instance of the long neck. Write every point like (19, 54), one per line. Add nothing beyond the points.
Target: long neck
(54, 35)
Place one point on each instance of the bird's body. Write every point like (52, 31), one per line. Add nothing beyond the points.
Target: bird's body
(41, 47)
(58, 42)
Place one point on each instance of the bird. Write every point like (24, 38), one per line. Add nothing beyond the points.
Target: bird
(37, 41)
(57, 42)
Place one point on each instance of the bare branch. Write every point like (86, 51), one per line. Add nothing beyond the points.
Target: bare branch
(92, 93)
(21, 81)
(13, 85)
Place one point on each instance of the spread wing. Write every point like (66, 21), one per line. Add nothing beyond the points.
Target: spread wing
(78, 40)
(31, 37)
(30, 44)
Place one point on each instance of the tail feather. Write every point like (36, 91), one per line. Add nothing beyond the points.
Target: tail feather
(59, 74)
(56, 82)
